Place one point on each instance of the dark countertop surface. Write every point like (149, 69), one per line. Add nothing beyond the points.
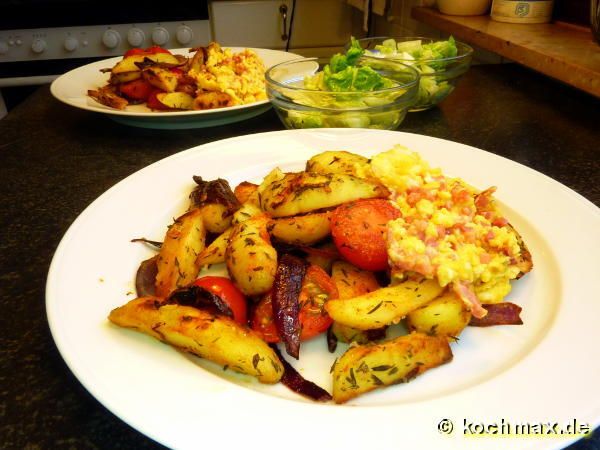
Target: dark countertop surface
(55, 160)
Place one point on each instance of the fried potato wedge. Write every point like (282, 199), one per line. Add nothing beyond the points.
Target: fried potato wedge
(525, 262)
(160, 78)
(446, 315)
(301, 230)
(216, 338)
(246, 211)
(244, 191)
(364, 368)
(215, 252)
(176, 100)
(128, 64)
(339, 162)
(291, 194)
(251, 259)
(108, 97)
(216, 201)
(132, 63)
(177, 260)
(384, 306)
(212, 100)
(124, 77)
(351, 282)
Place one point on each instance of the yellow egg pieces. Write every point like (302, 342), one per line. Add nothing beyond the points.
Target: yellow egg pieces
(240, 77)
(449, 231)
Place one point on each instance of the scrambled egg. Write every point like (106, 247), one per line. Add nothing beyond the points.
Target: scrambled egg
(448, 230)
(240, 76)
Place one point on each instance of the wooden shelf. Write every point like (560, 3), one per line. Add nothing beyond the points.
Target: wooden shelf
(562, 51)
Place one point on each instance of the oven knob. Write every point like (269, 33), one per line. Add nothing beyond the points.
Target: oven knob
(135, 37)
(184, 34)
(3, 48)
(71, 44)
(160, 36)
(111, 38)
(38, 45)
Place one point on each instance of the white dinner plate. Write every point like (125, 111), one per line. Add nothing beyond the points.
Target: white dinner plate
(71, 88)
(544, 371)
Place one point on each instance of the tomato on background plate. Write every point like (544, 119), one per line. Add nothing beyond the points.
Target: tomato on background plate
(136, 90)
(317, 288)
(226, 290)
(145, 51)
(359, 231)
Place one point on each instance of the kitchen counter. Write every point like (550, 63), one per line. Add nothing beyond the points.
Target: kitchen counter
(55, 160)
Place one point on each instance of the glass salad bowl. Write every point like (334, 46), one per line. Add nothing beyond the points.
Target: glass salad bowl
(440, 63)
(348, 91)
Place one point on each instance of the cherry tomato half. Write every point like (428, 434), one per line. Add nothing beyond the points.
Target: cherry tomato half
(157, 49)
(359, 232)
(136, 90)
(134, 51)
(317, 288)
(225, 289)
(145, 51)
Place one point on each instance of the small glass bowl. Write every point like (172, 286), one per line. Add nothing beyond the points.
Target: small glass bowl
(300, 107)
(438, 76)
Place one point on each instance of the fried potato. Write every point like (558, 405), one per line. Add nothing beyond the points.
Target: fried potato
(446, 315)
(290, 194)
(217, 218)
(132, 63)
(251, 259)
(322, 255)
(124, 77)
(198, 59)
(525, 262)
(384, 306)
(216, 338)
(108, 97)
(215, 252)
(176, 100)
(364, 368)
(160, 78)
(246, 211)
(213, 99)
(301, 230)
(177, 260)
(351, 282)
(128, 64)
(342, 162)
(245, 191)
(216, 201)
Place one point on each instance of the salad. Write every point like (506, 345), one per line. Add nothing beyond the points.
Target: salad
(349, 91)
(438, 62)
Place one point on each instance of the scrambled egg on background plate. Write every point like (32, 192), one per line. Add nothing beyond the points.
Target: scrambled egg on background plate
(449, 231)
(239, 76)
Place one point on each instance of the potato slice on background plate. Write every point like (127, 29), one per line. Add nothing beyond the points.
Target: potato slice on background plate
(176, 100)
